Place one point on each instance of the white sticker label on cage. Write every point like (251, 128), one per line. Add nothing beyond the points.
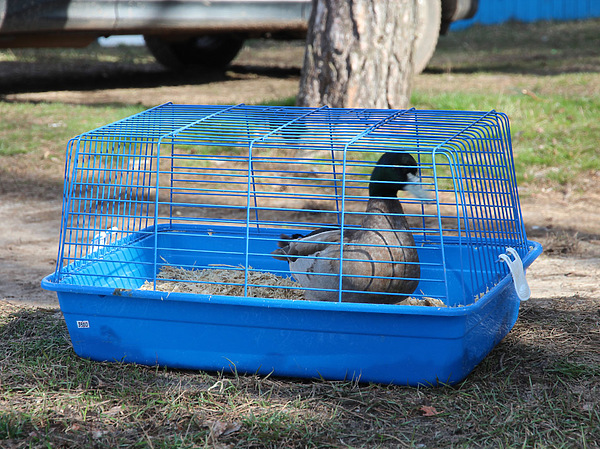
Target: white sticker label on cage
(83, 324)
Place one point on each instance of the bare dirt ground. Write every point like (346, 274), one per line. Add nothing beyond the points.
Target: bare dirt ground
(565, 220)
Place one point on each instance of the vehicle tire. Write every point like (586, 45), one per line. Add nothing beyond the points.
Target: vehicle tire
(429, 19)
(213, 51)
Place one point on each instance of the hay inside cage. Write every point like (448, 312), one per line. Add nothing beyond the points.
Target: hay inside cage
(229, 281)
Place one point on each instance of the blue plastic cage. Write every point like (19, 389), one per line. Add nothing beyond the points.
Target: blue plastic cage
(201, 188)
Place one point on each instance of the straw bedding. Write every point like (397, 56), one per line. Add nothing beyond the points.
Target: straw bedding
(225, 280)
(229, 281)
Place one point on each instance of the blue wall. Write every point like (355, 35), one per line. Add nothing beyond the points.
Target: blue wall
(499, 11)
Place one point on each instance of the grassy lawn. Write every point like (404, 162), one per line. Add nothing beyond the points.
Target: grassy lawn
(544, 76)
(555, 138)
(539, 388)
(42, 130)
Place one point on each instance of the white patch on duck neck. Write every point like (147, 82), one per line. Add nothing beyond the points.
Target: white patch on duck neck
(414, 187)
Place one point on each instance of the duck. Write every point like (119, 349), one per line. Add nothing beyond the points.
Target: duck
(380, 259)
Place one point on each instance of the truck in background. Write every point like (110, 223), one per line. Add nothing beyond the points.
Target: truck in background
(181, 33)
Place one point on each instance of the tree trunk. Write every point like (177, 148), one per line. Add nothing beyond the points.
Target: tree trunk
(359, 53)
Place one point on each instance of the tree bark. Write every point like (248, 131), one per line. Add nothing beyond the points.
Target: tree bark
(359, 53)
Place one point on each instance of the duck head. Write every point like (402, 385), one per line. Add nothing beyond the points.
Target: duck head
(396, 171)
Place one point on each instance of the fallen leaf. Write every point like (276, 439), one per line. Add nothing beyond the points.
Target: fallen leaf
(428, 410)
(220, 428)
(232, 428)
(97, 434)
(116, 410)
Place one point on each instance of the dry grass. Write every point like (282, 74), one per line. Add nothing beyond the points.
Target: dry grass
(225, 281)
(539, 388)
(561, 243)
(230, 282)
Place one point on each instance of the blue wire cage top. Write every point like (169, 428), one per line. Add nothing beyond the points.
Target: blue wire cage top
(258, 172)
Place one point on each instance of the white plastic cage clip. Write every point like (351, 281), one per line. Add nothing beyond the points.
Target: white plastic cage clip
(518, 273)
(100, 240)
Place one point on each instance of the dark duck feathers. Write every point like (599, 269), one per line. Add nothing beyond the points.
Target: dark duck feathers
(381, 264)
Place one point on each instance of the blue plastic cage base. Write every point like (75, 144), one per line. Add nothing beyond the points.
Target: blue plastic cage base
(110, 319)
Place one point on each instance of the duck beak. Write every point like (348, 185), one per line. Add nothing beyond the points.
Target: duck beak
(414, 187)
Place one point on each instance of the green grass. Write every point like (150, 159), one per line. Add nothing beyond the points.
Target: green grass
(40, 129)
(289, 101)
(76, 56)
(544, 76)
(554, 139)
